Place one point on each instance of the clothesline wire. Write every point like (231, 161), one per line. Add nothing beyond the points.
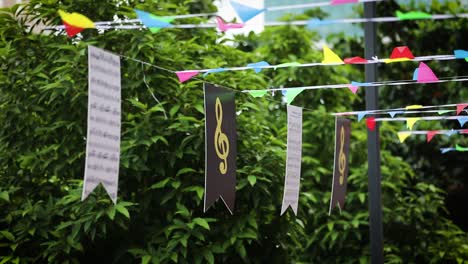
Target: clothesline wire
(133, 24)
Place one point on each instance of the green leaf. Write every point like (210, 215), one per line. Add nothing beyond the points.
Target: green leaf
(145, 259)
(111, 212)
(121, 209)
(252, 179)
(201, 222)
(5, 196)
(160, 184)
(185, 170)
(138, 104)
(6, 234)
(362, 197)
(208, 256)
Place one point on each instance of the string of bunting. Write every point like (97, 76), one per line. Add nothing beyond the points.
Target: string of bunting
(403, 135)
(74, 23)
(330, 58)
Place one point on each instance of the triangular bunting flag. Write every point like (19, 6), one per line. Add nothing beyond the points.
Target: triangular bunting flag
(165, 19)
(395, 60)
(460, 54)
(402, 136)
(460, 108)
(353, 88)
(152, 21)
(245, 12)
(186, 75)
(214, 71)
(462, 120)
(223, 26)
(355, 60)
(258, 93)
(412, 15)
(425, 74)
(441, 112)
(71, 30)
(430, 135)
(394, 113)
(451, 132)
(415, 74)
(361, 115)
(370, 123)
(292, 93)
(329, 56)
(410, 121)
(314, 22)
(257, 66)
(402, 53)
(76, 19)
(74, 22)
(409, 107)
(445, 150)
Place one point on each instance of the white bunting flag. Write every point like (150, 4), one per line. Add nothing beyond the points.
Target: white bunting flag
(103, 140)
(293, 159)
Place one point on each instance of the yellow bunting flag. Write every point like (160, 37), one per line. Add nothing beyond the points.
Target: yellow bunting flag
(76, 19)
(411, 121)
(395, 60)
(329, 56)
(402, 136)
(409, 107)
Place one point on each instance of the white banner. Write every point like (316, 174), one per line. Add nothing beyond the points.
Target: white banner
(104, 111)
(293, 159)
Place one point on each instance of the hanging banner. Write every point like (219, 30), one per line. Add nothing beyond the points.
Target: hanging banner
(103, 139)
(220, 146)
(340, 168)
(293, 159)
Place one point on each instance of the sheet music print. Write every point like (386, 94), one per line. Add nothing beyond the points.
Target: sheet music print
(104, 111)
(293, 159)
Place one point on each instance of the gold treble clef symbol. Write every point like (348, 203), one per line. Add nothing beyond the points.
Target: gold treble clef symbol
(221, 141)
(342, 156)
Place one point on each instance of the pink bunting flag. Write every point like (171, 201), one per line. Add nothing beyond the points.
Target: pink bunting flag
(370, 123)
(223, 26)
(341, 2)
(186, 75)
(460, 108)
(431, 134)
(425, 74)
(353, 88)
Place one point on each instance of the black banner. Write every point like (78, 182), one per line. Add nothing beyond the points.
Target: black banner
(341, 167)
(220, 146)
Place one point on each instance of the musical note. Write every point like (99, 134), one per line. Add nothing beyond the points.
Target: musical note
(342, 156)
(221, 141)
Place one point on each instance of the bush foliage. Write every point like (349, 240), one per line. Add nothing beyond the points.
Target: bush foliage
(158, 217)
